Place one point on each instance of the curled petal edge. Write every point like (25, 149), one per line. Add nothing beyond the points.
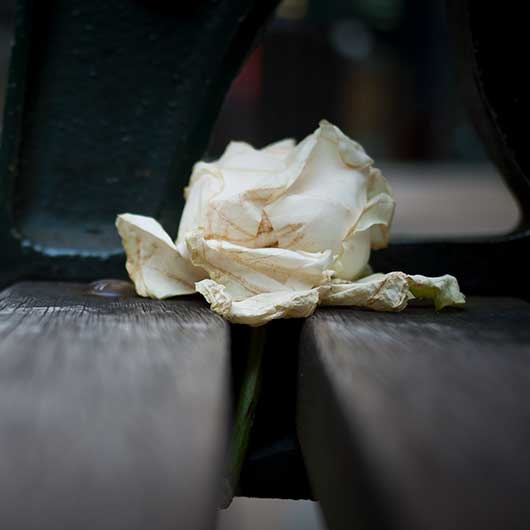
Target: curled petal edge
(379, 292)
(392, 291)
(154, 263)
(248, 272)
(259, 309)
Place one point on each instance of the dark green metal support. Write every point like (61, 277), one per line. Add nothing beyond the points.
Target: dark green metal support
(109, 104)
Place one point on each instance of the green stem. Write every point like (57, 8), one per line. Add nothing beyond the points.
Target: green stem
(246, 408)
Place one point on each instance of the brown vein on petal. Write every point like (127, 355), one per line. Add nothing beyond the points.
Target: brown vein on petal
(229, 221)
(140, 254)
(219, 272)
(372, 299)
(271, 270)
(170, 275)
(265, 226)
(260, 241)
(369, 206)
(291, 228)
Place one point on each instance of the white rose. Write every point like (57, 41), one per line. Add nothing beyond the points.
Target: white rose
(272, 233)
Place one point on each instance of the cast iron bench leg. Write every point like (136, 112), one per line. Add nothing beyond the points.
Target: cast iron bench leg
(418, 420)
(113, 412)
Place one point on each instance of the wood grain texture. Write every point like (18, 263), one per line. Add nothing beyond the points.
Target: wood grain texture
(113, 411)
(419, 420)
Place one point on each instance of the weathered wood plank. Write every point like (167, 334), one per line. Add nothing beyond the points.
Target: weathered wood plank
(113, 411)
(419, 420)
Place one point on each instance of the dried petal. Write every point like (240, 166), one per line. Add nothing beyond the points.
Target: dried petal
(247, 272)
(322, 194)
(259, 309)
(443, 290)
(392, 291)
(338, 202)
(154, 264)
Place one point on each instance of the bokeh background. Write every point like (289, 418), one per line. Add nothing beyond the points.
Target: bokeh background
(382, 71)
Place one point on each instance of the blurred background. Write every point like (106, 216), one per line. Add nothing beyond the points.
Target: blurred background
(378, 68)
(381, 70)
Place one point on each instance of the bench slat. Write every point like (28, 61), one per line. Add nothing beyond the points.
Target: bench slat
(419, 420)
(113, 411)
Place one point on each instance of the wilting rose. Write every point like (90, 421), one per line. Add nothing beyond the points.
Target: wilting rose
(274, 232)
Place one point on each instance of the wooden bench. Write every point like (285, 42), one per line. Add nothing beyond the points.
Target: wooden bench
(418, 420)
(115, 410)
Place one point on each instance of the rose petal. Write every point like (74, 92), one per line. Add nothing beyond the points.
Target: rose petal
(392, 291)
(259, 309)
(206, 182)
(336, 197)
(154, 264)
(248, 272)
(323, 203)
(250, 178)
(443, 290)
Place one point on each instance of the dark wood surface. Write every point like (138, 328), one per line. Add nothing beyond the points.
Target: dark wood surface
(418, 420)
(113, 411)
